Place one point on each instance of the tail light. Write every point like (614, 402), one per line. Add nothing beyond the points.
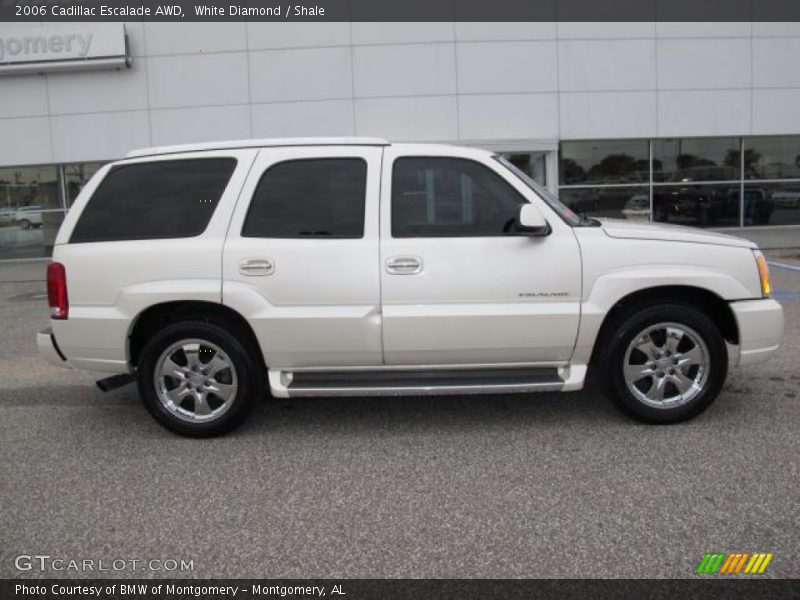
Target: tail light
(57, 291)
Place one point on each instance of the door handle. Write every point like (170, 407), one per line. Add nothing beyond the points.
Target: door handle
(404, 265)
(256, 266)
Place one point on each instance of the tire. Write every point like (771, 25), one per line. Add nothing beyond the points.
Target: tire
(215, 383)
(25, 224)
(686, 388)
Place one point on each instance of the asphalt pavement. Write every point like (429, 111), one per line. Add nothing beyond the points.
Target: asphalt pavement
(550, 485)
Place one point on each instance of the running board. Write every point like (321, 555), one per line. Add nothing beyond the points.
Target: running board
(399, 382)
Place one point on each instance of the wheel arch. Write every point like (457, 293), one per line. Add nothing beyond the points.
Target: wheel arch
(157, 316)
(714, 306)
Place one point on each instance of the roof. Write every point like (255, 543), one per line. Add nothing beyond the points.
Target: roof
(259, 143)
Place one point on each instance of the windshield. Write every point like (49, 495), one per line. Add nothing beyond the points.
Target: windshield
(552, 201)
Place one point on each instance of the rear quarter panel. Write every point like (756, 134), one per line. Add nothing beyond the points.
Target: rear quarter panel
(111, 283)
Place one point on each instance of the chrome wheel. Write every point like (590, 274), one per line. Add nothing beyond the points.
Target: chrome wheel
(666, 365)
(195, 380)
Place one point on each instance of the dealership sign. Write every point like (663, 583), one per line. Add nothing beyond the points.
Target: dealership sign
(59, 48)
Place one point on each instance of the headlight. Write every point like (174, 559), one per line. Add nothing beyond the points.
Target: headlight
(763, 273)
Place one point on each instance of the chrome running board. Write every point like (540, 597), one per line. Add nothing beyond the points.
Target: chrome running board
(304, 384)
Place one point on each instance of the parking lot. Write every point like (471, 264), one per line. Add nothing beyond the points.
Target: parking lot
(511, 486)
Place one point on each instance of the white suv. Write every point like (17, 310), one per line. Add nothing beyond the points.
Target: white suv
(317, 267)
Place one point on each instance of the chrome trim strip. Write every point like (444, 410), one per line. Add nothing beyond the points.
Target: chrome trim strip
(442, 367)
(429, 390)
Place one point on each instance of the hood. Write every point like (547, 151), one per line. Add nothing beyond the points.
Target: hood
(644, 230)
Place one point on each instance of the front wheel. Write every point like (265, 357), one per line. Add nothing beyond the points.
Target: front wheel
(665, 363)
(197, 379)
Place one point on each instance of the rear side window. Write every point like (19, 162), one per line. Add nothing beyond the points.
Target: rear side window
(154, 200)
(320, 198)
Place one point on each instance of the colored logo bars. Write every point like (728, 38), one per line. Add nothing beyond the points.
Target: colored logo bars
(721, 563)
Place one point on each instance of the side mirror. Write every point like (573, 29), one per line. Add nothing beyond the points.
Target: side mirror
(531, 222)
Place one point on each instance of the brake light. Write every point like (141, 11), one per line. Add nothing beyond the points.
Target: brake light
(763, 273)
(57, 291)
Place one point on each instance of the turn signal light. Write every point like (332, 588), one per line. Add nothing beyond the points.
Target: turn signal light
(57, 291)
(763, 273)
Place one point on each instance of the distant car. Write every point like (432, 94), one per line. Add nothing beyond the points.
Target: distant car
(786, 199)
(29, 217)
(682, 204)
(638, 206)
(7, 217)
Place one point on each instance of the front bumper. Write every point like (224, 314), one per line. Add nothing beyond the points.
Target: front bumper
(760, 324)
(48, 348)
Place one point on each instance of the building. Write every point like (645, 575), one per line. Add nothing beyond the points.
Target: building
(694, 123)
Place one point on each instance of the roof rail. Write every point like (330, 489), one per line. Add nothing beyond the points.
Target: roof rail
(259, 143)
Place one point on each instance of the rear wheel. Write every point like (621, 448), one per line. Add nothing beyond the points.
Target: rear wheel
(665, 363)
(25, 224)
(197, 379)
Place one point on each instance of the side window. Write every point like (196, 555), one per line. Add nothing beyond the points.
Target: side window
(450, 197)
(320, 197)
(154, 200)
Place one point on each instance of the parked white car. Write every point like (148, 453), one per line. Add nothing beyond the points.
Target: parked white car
(786, 198)
(213, 272)
(28, 217)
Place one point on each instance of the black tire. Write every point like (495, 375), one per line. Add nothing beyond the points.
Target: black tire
(233, 343)
(25, 224)
(622, 332)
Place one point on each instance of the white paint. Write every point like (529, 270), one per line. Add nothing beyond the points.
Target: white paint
(332, 302)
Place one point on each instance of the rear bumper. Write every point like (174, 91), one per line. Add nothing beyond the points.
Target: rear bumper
(48, 348)
(760, 324)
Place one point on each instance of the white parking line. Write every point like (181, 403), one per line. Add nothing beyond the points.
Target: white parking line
(784, 266)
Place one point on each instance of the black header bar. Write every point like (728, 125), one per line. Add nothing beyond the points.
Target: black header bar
(399, 10)
(719, 588)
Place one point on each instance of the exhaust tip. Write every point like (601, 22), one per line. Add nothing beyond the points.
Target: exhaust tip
(114, 382)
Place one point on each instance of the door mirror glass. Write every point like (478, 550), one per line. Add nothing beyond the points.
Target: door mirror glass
(531, 222)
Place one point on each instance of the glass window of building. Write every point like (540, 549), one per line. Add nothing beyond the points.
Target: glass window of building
(35, 185)
(629, 202)
(774, 157)
(30, 211)
(603, 178)
(771, 203)
(696, 159)
(604, 162)
(77, 175)
(698, 205)
(533, 164)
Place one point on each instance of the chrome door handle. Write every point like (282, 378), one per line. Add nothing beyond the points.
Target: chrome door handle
(256, 266)
(404, 265)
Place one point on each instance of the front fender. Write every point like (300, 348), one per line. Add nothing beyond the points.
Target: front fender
(611, 287)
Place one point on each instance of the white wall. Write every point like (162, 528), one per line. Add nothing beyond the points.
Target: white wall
(410, 81)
